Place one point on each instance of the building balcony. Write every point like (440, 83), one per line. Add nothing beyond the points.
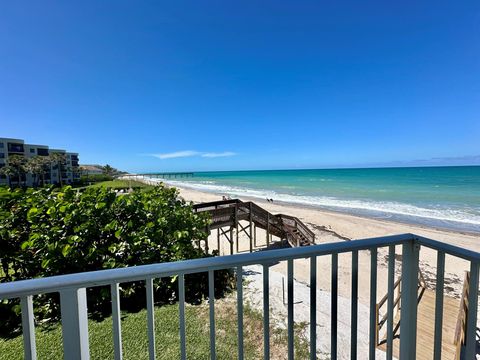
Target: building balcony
(15, 148)
(42, 152)
(404, 339)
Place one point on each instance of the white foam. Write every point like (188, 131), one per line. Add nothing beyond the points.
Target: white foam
(379, 207)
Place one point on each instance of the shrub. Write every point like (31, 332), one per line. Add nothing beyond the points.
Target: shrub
(45, 233)
(94, 178)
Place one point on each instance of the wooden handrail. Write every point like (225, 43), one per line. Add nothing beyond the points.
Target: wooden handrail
(380, 322)
(382, 301)
(261, 217)
(461, 327)
(299, 224)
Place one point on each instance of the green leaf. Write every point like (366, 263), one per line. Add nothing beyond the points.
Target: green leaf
(100, 205)
(25, 244)
(31, 213)
(45, 263)
(66, 249)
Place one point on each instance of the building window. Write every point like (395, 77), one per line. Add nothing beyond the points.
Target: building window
(15, 147)
(1, 145)
(42, 152)
(2, 155)
(32, 151)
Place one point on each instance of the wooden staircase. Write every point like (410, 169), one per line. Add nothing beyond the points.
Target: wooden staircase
(453, 336)
(231, 212)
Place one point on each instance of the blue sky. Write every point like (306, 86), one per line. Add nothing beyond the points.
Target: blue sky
(223, 85)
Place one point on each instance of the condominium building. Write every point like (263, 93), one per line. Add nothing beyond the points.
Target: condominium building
(68, 172)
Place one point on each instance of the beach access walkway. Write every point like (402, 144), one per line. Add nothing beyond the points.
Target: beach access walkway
(453, 327)
(229, 215)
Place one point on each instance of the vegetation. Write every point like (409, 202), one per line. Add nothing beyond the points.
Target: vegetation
(18, 166)
(45, 232)
(135, 341)
(108, 174)
(122, 184)
(58, 161)
(110, 171)
(94, 178)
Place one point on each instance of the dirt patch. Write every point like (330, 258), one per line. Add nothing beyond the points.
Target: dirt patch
(327, 230)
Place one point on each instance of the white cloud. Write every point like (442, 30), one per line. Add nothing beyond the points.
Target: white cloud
(177, 154)
(191, 153)
(221, 154)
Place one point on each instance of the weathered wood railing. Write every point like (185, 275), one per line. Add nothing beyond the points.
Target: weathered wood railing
(230, 212)
(463, 313)
(395, 305)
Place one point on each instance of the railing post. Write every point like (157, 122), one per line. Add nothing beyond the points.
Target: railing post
(231, 240)
(150, 318)
(471, 335)
(250, 219)
(73, 304)
(28, 328)
(373, 304)
(268, 230)
(354, 307)
(116, 319)
(408, 324)
(236, 223)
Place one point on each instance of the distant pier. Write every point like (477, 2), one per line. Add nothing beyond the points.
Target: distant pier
(169, 175)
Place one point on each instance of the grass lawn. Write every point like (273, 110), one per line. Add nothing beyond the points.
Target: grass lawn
(121, 184)
(135, 340)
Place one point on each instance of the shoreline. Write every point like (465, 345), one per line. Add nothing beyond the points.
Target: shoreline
(330, 226)
(301, 207)
(451, 226)
(335, 227)
(330, 211)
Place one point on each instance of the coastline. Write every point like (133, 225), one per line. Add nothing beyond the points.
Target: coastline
(420, 196)
(335, 227)
(330, 226)
(336, 219)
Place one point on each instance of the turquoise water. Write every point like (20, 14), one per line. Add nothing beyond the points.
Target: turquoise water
(437, 196)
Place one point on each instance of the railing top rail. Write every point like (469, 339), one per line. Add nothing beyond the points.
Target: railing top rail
(299, 223)
(215, 203)
(448, 249)
(135, 273)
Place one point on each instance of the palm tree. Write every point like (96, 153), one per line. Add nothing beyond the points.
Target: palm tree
(76, 171)
(18, 163)
(109, 170)
(36, 166)
(59, 160)
(8, 171)
(46, 164)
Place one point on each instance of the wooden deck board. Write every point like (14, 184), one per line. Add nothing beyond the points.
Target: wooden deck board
(426, 325)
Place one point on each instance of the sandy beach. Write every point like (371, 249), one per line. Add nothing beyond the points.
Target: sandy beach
(333, 227)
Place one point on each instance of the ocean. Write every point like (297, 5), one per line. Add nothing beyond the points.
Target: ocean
(445, 197)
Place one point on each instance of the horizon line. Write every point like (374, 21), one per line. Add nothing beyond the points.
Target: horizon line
(321, 168)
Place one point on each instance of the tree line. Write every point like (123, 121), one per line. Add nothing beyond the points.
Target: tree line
(18, 166)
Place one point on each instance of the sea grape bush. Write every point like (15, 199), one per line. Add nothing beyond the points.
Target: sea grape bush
(47, 231)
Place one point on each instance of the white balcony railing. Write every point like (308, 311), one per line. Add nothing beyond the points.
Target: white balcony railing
(73, 301)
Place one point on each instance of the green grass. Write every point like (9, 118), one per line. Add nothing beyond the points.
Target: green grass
(135, 340)
(121, 184)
